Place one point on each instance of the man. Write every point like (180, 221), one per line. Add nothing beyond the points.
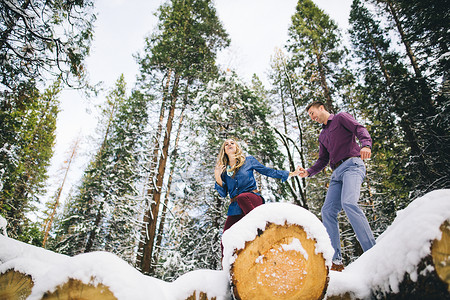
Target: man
(338, 147)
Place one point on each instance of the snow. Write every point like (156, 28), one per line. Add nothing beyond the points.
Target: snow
(3, 224)
(277, 213)
(49, 270)
(295, 245)
(398, 251)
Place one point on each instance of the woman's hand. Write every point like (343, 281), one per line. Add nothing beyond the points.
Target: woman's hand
(302, 172)
(218, 170)
(297, 172)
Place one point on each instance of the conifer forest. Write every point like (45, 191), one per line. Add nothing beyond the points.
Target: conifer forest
(147, 193)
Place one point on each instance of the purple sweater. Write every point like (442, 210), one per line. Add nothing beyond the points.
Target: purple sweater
(337, 141)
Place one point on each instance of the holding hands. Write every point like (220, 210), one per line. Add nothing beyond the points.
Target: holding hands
(303, 173)
(299, 171)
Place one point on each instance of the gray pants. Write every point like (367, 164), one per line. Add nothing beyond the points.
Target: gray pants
(343, 193)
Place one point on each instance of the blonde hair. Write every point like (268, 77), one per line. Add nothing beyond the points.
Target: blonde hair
(223, 159)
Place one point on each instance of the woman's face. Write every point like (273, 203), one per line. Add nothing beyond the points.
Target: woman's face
(230, 147)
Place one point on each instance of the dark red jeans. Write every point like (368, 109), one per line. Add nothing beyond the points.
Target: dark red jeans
(247, 202)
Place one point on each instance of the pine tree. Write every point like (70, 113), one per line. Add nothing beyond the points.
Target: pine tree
(184, 48)
(317, 53)
(426, 24)
(102, 215)
(289, 120)
(407, 99)
(53, 205)
(27, 137)
(41, 38)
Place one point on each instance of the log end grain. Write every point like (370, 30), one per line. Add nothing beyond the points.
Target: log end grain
(272, 267)
(76, 289)
(15, 285)
(440, 252)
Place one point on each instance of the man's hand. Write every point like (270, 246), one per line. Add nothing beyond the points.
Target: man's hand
(302, 172)
(366, 152)
(295, 173)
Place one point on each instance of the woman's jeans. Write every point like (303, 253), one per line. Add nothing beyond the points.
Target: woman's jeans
(343, 193)
(247, 202)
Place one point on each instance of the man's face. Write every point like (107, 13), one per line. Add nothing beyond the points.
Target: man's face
(316, 113)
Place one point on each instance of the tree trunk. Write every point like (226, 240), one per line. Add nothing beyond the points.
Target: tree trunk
(49, 221)
(267, 269)
(152, 171)
(145, 263)
(169, 183)
(404, 39)
(323, 82)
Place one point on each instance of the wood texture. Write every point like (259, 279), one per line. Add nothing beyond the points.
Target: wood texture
(264, 269)
(440, 252)
(77, 290)
(202, 296)
(15, 285)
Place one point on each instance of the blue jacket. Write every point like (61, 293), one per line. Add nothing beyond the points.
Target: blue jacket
(244, 181)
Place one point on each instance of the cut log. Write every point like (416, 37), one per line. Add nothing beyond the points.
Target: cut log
(440, 252)
(15, 285)
(77, 290)
(430, 281)
(201, 284)
(203, 296)
(280, 263)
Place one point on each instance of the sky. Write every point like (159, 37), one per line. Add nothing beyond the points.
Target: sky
(256, 28)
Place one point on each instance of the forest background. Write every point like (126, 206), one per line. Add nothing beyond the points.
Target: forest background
(147, 193)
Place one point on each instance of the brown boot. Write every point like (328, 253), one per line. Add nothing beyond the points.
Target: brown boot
(337, 267)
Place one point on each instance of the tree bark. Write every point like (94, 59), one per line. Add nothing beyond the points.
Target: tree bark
(145, 264)
(49, 221)
(169, 183)
(152, 171)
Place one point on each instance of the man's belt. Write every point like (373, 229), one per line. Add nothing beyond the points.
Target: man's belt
(336, 165)
(234, 198)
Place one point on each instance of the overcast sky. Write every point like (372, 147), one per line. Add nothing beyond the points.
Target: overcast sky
(256, 28)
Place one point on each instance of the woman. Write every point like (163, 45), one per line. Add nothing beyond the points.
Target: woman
(234, 176)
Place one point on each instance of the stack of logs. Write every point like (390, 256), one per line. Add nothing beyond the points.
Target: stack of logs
(266, 268)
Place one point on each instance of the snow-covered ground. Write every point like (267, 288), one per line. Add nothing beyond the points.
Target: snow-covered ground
(398, 250)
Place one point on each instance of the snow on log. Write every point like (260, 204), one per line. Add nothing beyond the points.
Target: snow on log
(278, 251)
(201, 284)
(20, 265)
(411, 259)
(32, 273)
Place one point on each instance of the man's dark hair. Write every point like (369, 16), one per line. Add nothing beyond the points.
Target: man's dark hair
(316, 104)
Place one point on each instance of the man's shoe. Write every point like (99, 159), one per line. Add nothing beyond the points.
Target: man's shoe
(337, 267)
